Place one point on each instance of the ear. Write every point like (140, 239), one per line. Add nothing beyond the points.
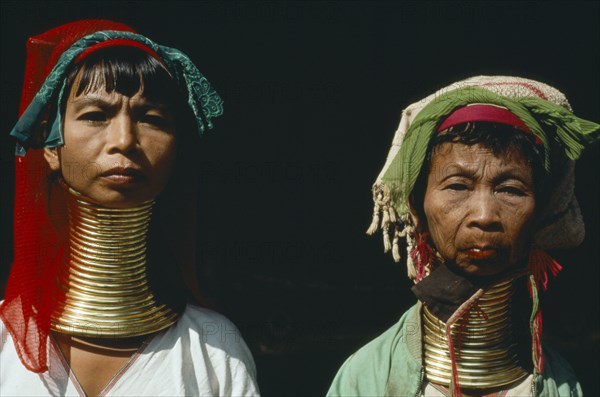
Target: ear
(415, 219)
(52, 158)
(420, 224)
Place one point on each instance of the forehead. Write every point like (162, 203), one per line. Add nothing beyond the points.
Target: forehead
(101, 98)
(95, 94)
(102, 78)
(454, 157)
(125, 78)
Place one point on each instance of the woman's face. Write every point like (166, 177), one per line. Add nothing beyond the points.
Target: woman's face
(479, 207)
(119, 151)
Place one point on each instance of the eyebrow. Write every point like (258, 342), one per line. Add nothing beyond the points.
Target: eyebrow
(453, 170)
(513, 173)
(90, 101)
(468, 171)
(99, 101)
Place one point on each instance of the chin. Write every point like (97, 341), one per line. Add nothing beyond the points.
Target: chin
(472, 271)
(482, 272)
(477, 269)
(484, 269)
(118, 200)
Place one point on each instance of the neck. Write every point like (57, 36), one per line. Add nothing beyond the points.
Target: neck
(485, 350)
(103, 289)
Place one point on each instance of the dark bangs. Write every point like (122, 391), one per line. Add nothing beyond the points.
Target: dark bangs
(126, 70)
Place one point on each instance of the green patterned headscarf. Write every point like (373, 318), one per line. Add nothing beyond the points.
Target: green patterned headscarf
(202, 98)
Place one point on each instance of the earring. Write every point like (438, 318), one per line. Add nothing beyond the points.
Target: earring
(422, 256)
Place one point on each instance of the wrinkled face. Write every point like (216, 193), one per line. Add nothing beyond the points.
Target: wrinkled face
(479, 207)
(119, 151)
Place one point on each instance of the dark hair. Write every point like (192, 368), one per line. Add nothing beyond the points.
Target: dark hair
(500, 139)
(127, 70)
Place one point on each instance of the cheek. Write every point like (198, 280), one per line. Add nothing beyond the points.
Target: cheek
(161, 154)
(79, 151)
(78, 165)
(442, 222)
(522, 221)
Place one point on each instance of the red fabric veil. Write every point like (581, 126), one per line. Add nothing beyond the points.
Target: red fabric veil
(39, 242)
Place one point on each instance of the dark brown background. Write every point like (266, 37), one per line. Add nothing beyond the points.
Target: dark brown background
(313, 93)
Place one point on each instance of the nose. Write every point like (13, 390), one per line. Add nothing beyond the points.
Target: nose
(122, 134)
(484, 212)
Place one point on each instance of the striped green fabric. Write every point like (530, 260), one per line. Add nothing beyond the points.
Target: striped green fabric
(572, 133)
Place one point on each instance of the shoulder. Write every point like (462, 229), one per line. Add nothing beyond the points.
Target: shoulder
(211, 350)
(215, 332)
(206, 321)
(368, 371)
(558, 376)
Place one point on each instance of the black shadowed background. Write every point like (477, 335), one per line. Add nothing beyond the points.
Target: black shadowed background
(313, 93)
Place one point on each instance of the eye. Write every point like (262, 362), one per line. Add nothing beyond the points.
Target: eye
(156, 120)
(93, 116)
(459, 187)
(511, 190)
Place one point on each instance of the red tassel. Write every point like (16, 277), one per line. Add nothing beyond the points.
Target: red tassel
(454, 387)
(422, 256)
(536, 327)
(475, 309)
(540, 263)
(537, 341)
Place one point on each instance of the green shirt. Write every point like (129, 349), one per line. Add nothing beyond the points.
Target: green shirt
(391, 365)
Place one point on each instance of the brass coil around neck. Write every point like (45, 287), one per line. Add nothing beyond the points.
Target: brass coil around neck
(103, 290)
(485, 350)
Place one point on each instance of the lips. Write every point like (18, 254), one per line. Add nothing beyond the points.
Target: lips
(123, 175)
(481, 253)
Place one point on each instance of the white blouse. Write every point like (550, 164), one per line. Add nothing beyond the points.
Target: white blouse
(203, 354)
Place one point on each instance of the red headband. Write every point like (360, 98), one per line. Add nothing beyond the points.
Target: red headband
(483, 112)
(117, 42)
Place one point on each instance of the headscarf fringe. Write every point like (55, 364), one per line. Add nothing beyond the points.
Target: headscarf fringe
(410, 264)
(393, 215)
(387, 244)
(410, 268)
(395, 245)
(381, 198)
(375, 222)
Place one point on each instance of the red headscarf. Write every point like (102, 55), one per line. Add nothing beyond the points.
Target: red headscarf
(39, 242)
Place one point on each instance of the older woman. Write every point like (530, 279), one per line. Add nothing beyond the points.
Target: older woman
(479, 180)
(99, 296)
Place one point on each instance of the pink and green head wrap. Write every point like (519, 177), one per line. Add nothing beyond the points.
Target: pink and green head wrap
(539, 109)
